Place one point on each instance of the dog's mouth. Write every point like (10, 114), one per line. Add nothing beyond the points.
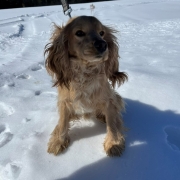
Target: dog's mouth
(90, 56)
(93, 60)
(94, 55)
(99, 56)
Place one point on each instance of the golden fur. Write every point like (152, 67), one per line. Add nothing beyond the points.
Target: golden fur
(82, 58)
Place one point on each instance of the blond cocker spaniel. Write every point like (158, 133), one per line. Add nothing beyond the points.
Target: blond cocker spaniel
(82, 58)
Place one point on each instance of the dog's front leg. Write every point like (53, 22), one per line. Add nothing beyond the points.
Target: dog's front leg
(114, 142)
(59, 138)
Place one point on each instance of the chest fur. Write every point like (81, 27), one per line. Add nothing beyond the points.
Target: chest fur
(86, 90)
(85, 95)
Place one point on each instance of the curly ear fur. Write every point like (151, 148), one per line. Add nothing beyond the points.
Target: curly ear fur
(112, 64)
(57, 60)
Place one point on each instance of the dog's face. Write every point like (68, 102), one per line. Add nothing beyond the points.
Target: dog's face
(86, 40)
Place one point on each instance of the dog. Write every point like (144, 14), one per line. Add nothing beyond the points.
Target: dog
(82, 58)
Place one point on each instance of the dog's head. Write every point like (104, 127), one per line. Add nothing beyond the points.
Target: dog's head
(83, 39)
(87, 40)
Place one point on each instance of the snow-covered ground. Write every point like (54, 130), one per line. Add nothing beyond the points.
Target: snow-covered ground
(149, 37)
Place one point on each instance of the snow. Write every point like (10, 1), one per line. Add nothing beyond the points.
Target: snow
(149, 38)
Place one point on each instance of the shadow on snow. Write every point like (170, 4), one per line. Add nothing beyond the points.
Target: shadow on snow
(152, 147)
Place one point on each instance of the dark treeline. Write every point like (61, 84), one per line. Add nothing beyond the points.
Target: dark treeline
(6, 4)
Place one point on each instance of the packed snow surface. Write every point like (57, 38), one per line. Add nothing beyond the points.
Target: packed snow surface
(149, 38)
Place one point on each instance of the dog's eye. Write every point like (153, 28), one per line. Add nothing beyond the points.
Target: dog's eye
(80, 33)
(101, 33)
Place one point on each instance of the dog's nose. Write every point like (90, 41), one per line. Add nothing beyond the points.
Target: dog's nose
(100, 45)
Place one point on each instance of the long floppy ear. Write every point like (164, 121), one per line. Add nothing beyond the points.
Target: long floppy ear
(57, 59)
(112, 64)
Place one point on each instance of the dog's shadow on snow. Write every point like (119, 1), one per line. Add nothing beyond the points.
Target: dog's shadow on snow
(152, 147)
(92, 128)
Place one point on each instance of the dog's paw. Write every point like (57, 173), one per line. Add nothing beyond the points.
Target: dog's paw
(56, 146)
(114, 148)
